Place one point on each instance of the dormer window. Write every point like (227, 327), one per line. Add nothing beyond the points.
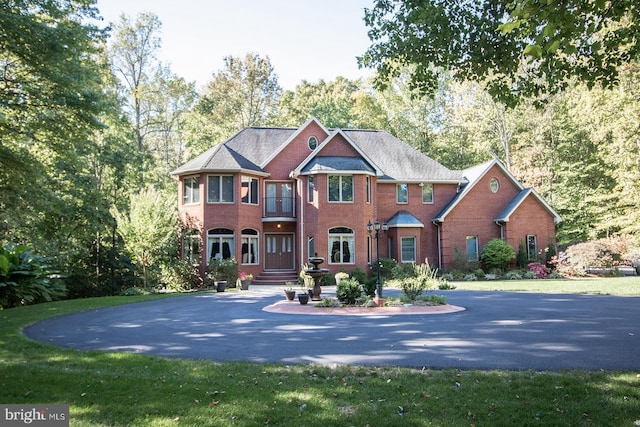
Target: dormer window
(313, 143)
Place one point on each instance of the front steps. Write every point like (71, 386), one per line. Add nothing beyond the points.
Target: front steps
(276, 277)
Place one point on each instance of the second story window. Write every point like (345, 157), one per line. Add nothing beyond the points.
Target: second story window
(250, 190)
(191, 190)
(340, 188)
(402, 193)
(427, 193)
(311, 187)
(220, 189)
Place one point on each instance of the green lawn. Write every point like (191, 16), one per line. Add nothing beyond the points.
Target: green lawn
(113, 389)
(621, 286)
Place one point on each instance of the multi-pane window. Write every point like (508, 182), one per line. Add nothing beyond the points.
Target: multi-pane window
(220, 243)
(427, 193)
(250, 246)
(340, 188)
(472, 248)
(220, 189)
(341, 245)
(191, 246)
(191, 190)
(311, 187)
(532, 247)
(402, 193)
(249, 190)
(408, 249)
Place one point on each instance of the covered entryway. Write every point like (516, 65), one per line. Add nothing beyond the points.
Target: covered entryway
(279, 251)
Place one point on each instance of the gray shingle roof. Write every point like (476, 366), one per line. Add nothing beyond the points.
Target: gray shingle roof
(336, 164)
(251, 148)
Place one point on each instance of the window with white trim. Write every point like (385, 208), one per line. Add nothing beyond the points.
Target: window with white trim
(249, 190)
(191, 190)
(427, 193)
(341, 245)
(532, 247)
(249, 246)
(472, 248)
(402, 193)
(408, 249)
(220, 244)
(191, 246)
(311, 187)
(220, 189)
(368, 189)
(341, 188)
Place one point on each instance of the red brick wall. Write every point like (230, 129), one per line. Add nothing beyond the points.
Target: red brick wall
(530, 218)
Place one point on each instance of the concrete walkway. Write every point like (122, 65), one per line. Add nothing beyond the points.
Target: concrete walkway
(501, 330)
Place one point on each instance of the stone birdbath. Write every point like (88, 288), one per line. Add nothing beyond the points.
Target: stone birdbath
(316, 273)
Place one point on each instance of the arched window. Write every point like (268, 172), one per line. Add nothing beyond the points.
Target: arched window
(341, 246)
(249, 246)
(220, 242)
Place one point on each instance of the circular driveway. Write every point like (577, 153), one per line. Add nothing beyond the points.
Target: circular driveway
(498, 330)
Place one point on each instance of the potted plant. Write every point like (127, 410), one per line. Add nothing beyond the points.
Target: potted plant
(303, 297)
(245, 280)
(289, 292)
(222, 272)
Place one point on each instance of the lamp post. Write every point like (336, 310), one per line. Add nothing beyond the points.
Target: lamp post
(376, 226)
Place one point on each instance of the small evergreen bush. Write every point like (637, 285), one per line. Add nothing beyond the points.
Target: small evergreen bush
(497, 254)
(348, 291)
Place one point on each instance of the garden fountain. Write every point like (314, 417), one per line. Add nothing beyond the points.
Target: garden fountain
(316, 273)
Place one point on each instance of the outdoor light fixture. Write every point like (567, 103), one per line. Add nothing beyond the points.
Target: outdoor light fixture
(376, 226)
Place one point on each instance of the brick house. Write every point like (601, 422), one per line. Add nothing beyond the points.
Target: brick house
(273, 197)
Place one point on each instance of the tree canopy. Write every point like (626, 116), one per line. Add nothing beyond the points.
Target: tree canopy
(522, 48)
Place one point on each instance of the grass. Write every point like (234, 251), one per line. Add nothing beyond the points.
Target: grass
(122, 389)
(620, 286)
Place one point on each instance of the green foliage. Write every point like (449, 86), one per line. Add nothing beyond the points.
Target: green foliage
(26, 278)
(601, 253)
(223, 269)
(181, 275)
(521, 257)
(149, 230)
(522, 48)
(348, 291)
(387, 268)
(422, 278)
(359, 275)
(497, 254)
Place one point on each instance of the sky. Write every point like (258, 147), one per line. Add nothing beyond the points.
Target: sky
(304, 39)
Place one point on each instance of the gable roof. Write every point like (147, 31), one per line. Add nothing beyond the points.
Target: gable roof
(316, 162)
(403, 219)
(473, 176)
(517, 201)
(392, 160)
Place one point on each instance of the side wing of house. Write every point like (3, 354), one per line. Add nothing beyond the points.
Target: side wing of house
(493, 204)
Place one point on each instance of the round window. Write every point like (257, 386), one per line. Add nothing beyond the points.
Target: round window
(313, 142)
(494, 185)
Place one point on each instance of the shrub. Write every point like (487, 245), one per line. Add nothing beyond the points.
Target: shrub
(26, 278)
(601, 253)
(497, 254)
(369, 287)
(181, 275)
(348, 291)
(478, 272)
(422, 278)
(223, 269)
(387, 266)
(540, 270)
(444, 284)
(521, 258)
(359, 275)
(470, 277)
(512, 275)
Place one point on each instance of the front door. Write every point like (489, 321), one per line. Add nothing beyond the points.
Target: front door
(278, 251)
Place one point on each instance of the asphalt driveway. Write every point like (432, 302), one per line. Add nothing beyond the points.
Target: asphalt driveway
(501, 330)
